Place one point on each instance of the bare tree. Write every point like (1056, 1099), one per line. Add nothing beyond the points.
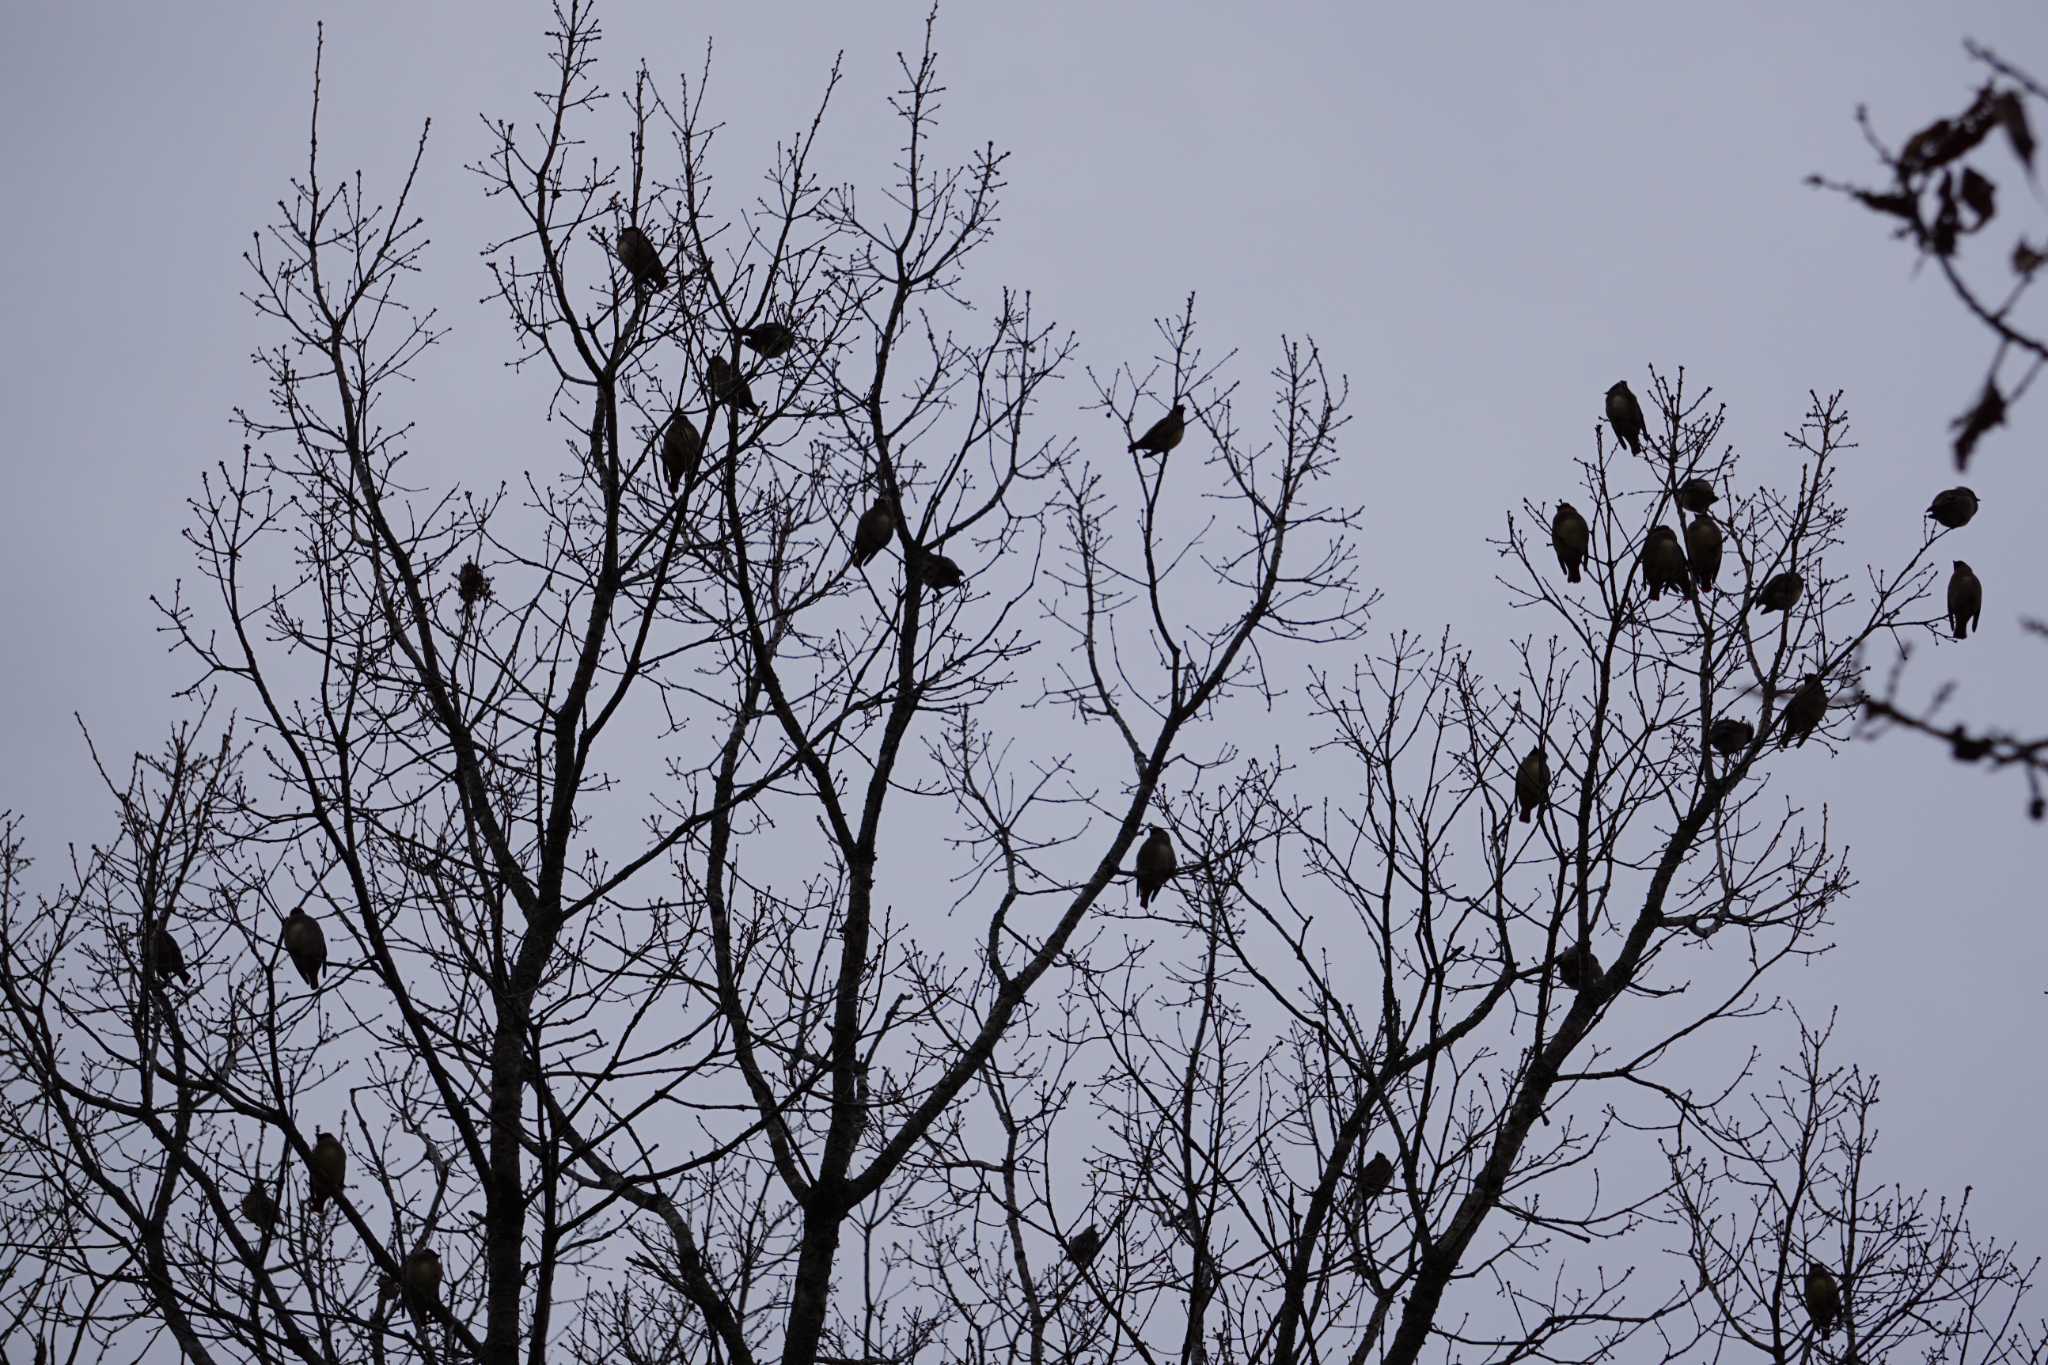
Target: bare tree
(723, 837)
(1941, 193)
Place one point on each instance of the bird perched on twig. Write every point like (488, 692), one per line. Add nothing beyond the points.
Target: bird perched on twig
(1780, 592)
(1663, 563)
(326, 1169)
(1802, 714)
(1625, 415)
(1703, 551)
(1577, 968)
(872, 533)
(1155, 866)
(471, 587)
(1728, 736)
(728, 385)
(770, 340)
(1953, 507)
(642, 261)
(1965, 600)
(1823, 1298)
(306, 944)
(934, 570)
(1532, 782)
(1083, 1246)
(420, 1276)
(1375, 1176)
(1695, 495)
(260, 1209)
(165, 958)
(1570, 537)
(1164, 434)
(682, 449)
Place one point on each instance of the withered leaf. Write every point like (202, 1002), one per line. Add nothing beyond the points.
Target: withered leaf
(1899, 205)
(1989, 412)
(2012, 112)
(2027, 259)
(1979, 195)
(1941, 238)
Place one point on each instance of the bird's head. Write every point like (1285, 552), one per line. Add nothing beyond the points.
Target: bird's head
(1564, 507)
(425, 1253)
(1618, 388)
(1180, 411)
(1962, 567)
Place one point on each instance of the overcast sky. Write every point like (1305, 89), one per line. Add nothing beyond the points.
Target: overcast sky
(1485, 214)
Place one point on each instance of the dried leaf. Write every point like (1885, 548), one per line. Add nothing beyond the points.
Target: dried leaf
(1941, 238)
(2026, 259)
(1979, 195)
(1899, 205)
(1988, 413)
(2012, 112)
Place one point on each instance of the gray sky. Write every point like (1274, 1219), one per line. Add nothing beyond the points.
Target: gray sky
(1484, 214)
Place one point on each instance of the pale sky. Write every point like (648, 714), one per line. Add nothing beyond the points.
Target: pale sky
(1485, 214)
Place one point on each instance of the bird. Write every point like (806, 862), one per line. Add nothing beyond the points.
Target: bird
(770, 340)
(420, 1275)
(1728, 735)
(1569, 536)
(1155, 866)
(1953, 507)
(260, 1209)
(1703, 551)
(1781, 592)
(728, 385)
(1823, 1298)
(682, 449)
(641, 260)
(1532, 782)
(1803, 712)
(1164, 434)
(1625, 415)
(470, 584)
(1965, 600)
(306, 944)
(877, 524)
(1695, 495)
(1577, 968)
(165, 957)
(1083, 1246)
(1375, 1176)
(934, 570)
(1663, 563)
(326, 1169)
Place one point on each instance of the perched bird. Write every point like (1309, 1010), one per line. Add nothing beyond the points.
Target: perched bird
(1164, 434)
(1532, 782)
(306, 945)
(1696, 495)
(165, 957)
(1823, 1298)
(682, 449)
(1625, 415)
(1663, 563)
(1781, 592)
(1953, 507)
(870, 537)
(1728, 735)
(1965, 600)
(1703, 551)
(420, 1275)
(770, 340)
(471, 587)
(641, 260)
(1083, 1246)
(1569, 536)
(1374, 1176)
(1803, 712)
(728, 385)
(260, 1209)
(1156, 865)
(934, 570)
(326, 1170)
(1577, 968)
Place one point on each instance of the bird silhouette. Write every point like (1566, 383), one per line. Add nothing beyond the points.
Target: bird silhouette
(1703, 551)
(1570, 537)
(1155, 865)
(1577, 968)
(166, 959)
(1728, 735)
(641, 260)
(420, 1276)
(770, 340)
(1625, 415)
(934, 570)
(326, 1170)
(1532, 782)
(1663, 563)
(872, 534)
(260, 1209)
(1965, 600)
(1695, 495)
(1083, 1246)
(682, 449)
(1953, 507)
(1781, 592)
(1823, 1298)
(1803, 712)
(1164, 434)
(729, 386)
(1375, 1176)
(471, 587)
(306, 944)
